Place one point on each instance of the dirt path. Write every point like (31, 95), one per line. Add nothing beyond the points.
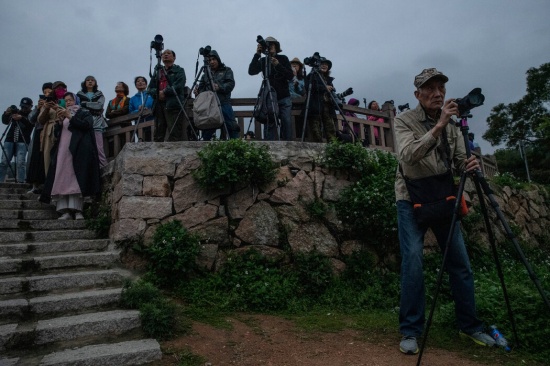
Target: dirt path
(273, 341)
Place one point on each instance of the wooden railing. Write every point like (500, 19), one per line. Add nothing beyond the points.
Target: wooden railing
(122, 130)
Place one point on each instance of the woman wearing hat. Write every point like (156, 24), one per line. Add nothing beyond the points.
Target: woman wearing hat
(296, 85)
(321, 115)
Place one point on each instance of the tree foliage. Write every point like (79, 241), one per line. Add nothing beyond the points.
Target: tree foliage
(526, 121)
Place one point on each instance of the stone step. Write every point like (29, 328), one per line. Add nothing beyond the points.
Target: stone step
(74, 302)
(121, 354)
(22, 214)
(13, 237)
(68, 328)
(12, 250)
(63, 281)
(6, 188)
(12, 224)
(40, 263)
(18, 197)
(27, 204)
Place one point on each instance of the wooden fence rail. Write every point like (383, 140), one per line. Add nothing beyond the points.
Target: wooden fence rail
(123, 129)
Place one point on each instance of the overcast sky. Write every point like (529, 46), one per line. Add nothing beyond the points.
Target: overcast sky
(376, 47)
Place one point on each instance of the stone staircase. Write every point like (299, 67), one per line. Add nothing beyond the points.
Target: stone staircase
(60, 289)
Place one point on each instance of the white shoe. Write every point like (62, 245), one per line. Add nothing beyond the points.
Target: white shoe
(78, 216)
(65, 216)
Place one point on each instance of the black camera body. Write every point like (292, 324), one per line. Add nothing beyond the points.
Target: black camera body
(313, 61)
(262, 42)
(14, 109)
(469, 102)
(205, 51)
(342, 95)
(157, 43)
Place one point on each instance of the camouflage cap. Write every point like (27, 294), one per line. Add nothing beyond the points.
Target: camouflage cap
(428, 74)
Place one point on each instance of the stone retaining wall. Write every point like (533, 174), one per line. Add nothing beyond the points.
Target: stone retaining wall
(151, 183)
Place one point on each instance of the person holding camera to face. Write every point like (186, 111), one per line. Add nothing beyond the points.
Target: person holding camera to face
(35, 160)
(167, 86)
(428, 146)
(321, 114)
(17, 139)
(280, 73)
(224, 83)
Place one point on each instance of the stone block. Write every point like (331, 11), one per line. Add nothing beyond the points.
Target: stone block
(156, 186)
(144, 207)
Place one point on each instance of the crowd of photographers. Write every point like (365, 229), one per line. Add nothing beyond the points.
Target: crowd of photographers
(36, 135)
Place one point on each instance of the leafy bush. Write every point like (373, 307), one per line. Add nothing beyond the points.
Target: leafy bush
(368, 206)
(246, 281)
(158, 315)
(508, 179)
(138, 293)
(314, 273)
(158, 319)
(227, 163)
(173, 253)
(350, 157)
(317, 209)
(98, 216)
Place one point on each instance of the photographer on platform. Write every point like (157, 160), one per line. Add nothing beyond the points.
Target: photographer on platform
(427, 143)
(321, 114)
(168, 84)
(279, 75)
(17, 139)
(224, 83)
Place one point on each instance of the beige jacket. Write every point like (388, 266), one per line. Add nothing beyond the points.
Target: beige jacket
(417, 149)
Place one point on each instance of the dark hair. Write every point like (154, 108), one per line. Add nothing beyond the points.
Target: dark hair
(125, 87)
(370, 104)
(139, 77)
(83, 85)
(173, 53)
(71, 94)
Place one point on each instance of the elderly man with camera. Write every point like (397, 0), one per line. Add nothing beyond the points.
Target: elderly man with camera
(429, 145)
(279, 74)
(18, 136)
(167, 88)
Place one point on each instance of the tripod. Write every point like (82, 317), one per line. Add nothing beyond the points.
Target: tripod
(140, 116)
(269, 98)
(315, 73)
(481, 187)
(14, 149)
(159, 68)
(207, 72)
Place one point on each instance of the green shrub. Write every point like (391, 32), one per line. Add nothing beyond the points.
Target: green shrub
(225, 164)
(350, 157)
(138, 293)
(368, 206)
(173, 253)
(158, 315)
(158, 319)
(314, 272)
(317, 209)
(508, 179)
(98, 216)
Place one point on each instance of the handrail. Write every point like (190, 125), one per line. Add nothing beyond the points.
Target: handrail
(120, 130)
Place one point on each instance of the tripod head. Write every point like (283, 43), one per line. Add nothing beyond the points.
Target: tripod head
(158, 45)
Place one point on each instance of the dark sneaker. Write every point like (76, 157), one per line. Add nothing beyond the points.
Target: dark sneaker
(408, 346)
(481, 338)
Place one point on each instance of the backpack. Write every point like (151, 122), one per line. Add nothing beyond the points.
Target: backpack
(206, 112)
(267, 105)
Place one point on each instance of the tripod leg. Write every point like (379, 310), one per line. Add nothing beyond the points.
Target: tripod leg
(488, 192)
(443, 263)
